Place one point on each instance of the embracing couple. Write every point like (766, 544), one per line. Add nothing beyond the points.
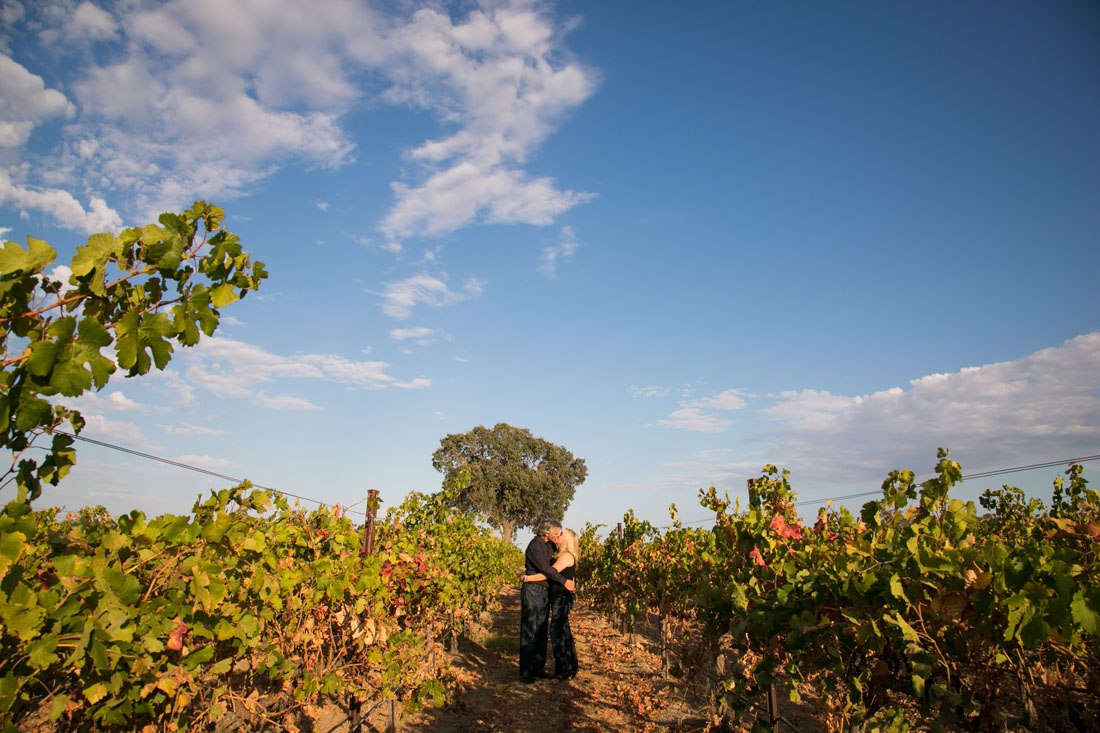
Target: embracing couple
(547, 597)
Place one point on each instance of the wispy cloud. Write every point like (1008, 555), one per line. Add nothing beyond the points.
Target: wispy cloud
(400, 298)
(94, 402)
(402, 334)
(563, 250)
(697, 415)
(650, 392)
(188, 429)
(115, 431)
(284, 402)
(695, 420)
(730, 399)
(203, 461)
(236, 369)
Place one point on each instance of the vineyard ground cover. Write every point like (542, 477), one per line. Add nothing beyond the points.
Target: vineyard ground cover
(620, 686)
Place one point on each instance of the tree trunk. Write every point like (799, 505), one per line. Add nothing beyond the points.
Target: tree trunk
(507, 530)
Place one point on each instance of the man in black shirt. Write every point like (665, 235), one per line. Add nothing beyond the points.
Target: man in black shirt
(535, 601)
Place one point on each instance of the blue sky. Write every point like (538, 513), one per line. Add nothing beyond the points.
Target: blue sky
(682, 241)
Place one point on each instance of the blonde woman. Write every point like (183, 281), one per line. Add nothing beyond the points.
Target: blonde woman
(561, 602)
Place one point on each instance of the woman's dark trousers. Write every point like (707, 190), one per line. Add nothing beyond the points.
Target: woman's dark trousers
(561, 636)
(534, 610)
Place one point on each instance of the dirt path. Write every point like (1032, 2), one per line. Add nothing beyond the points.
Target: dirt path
(619, 686)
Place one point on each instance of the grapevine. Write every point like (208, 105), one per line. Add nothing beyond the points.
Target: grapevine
(919, 611)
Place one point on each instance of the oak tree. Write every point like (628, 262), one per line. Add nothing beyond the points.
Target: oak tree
(509, 476)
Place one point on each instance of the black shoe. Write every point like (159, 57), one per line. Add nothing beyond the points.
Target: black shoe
(544, 675)
(527, 680)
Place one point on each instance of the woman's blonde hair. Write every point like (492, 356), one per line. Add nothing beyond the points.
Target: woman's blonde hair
(571, 544)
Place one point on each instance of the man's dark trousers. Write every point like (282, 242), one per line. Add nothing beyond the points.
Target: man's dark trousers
(533, 626)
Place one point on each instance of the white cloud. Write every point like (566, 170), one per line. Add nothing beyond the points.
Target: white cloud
(693, 415)
(810, 404)
(236, 369)
(1044, 406)
(183, 99)
(178, 392)
(94, 402)
(113, 431)
(401, 334)
(90, 23)
(399, 298)
(285, 402)
(497, 75)
(24, 102)
(188, 429)
(730, 399)
(649, 392)
(695, 420)
(322, 205)
(561, 251)
(451, 199)
(204, 461)
(11, 12)
(198, 100)
(61, 206)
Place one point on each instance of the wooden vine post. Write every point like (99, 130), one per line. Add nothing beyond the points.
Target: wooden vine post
(621, 619)
(773, 708)
(368, 528)
(355, 706)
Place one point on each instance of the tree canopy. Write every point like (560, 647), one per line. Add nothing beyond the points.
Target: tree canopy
(509, 476)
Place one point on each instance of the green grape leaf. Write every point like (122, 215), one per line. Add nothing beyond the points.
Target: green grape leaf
(896, 589)
(126, 587)
(1086, 612)
(63, 359)
(41, 652)
(58, 707)
(195, 309)
(9, 686)
(91, 259)
(42, 356)
(32, 411)
(21, 614)
(136, 334)
(92, 337)
(223, 295)
(12, 545)
(907, 631)
(95, 692)
(36, 256)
